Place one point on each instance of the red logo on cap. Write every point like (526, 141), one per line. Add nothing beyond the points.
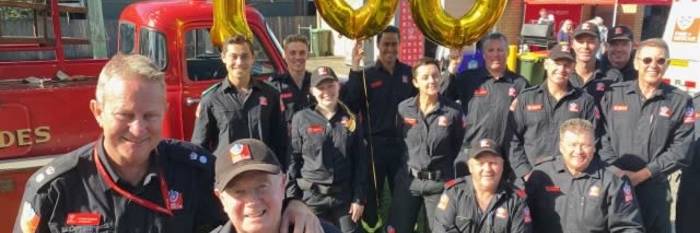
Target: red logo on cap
(323, 71)
(618, 31)
(485, 143)
(239, 152)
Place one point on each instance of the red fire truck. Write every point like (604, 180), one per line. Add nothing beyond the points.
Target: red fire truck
(43, 115)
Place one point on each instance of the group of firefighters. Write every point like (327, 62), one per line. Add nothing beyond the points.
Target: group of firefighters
(588, 150)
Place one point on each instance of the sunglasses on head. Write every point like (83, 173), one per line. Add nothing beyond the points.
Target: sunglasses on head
(649, 60)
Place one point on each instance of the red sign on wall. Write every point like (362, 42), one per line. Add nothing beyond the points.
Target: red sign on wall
(411, 46)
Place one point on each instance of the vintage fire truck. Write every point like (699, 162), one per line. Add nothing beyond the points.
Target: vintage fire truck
(43, 115)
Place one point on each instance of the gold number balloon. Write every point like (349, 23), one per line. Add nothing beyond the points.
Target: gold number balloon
(445, 30)
(362, 23)
(229, 20)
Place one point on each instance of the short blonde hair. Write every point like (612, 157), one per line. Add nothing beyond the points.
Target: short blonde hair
(131, 66)
(576, 125)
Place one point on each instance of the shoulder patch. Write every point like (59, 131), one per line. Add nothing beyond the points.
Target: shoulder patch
(544, 159)
(211, 88)
(619, 84)
(531, 88)
(451, 183)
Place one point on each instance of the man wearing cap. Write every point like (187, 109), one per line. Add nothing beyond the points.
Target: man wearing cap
(688, 205)
(649, 131)
(130, 179)
(619, 53)
(328, 164)
(574, 192)
(587, 74)
(373, 94)
(240, 106)
(538, 111)
(485, 95)
(294, 85)
(250, 185)
(433, 131)
(484, 201)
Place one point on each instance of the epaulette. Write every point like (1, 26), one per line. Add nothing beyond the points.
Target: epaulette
(451, 183)
(186, 153)
(530, 88)
(57, 167)
(619, 84)
(520, 193)
(211, 88)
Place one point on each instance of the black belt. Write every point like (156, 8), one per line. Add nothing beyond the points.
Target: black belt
(425, 174)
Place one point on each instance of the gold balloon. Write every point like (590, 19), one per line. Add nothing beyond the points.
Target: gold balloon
(362, 23)
(229, 20)
(447, 31)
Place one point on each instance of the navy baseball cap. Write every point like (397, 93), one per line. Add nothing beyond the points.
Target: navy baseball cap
(587, 28)
(559, 52)
(321, 74)
(620, 32)
(480, 147)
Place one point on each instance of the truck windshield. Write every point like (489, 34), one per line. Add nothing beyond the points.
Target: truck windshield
(126, 37)
(152, 45)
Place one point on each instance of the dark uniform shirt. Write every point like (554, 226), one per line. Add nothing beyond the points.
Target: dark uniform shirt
(485, 101)
(295, 98)
(536, 116)
(434, 140)
(385, 92)
(655, 133)
(458, 211)
(226, 115)
(328, 152)
(600, 82)
(71, 194)
(594, 201)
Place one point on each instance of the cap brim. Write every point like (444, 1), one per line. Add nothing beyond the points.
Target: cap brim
(480, 152)
(587, 33)
(621, 37)
(223, 180)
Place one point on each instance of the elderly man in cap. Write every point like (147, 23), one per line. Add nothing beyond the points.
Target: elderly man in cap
(250, 183)
(573, 192)
(483, 201)
(588, 75)
(538, 111)
(619, 52)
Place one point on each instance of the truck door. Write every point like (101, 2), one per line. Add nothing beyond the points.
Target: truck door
(203, 67)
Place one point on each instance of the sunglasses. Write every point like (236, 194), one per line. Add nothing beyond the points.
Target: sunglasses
(659, 61)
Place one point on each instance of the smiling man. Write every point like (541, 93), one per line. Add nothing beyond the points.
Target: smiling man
(587, 73)
(294, 84)
(573, 192)
(620, 52)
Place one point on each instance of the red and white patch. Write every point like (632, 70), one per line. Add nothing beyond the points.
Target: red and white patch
(600, 87)
(29, 220)
(376, 84)
(239, 152)
(627, 190)
(444, 200)
(344, 121)
(513, 105)
(552, 189)
(410, 121)
(464, 121)
(390, 229)
(481, 91)
(527, 217)
(175, 200)
(620, 108)
(286, 95)
(263, 101)
(665, 111)
(443, 121)
(485, 143)
(573, 107)
(83, 219)
(404, 79)
(690, 115)
(502, 213)
(512, 92)
(315, 129)
(596, 113)
(594, 191)
(533, 107)
(323, 70)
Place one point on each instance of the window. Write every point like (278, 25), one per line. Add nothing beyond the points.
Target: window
(204, 59)
(126, 38)
(152, 45)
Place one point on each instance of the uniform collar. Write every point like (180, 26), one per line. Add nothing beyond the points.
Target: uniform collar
(570, 89)
(287, 78)
(413, 106)
(591, 170)
(661, 91)
(339, 112)
(507, 75)
(150, 176)
(379, 67)
(227, 86)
